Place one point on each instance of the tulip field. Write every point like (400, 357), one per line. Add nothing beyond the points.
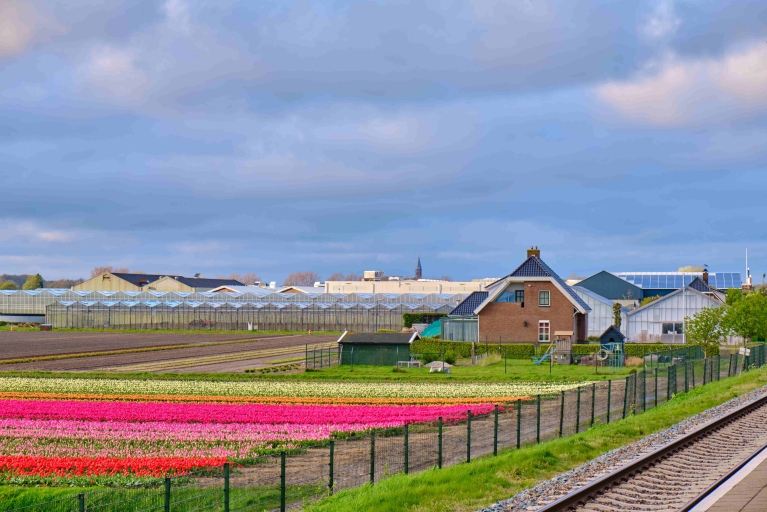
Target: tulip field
(120, 431)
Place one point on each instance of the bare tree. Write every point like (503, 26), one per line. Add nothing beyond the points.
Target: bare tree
(338, 276)
(445, 278)
(353, 277)
(247, 279)
(101, 270)
(301, 279)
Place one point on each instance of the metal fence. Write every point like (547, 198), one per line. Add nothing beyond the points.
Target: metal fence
(287, 480)
(673, 356)
(322, 356)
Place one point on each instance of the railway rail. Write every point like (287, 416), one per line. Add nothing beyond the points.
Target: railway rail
(679, 475)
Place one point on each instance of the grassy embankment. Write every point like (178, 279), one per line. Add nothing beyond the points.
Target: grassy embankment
(488, 479)
(169, 331)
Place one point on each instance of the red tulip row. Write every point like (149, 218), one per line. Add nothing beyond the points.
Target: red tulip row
(20, 465)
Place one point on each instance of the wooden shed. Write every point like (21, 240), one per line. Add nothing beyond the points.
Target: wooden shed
(376, 349)
(612, 335)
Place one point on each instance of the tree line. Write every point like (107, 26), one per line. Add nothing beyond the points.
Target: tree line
(744, 314)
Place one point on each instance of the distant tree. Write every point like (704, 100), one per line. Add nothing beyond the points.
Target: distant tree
(648, 300)
(733, 296)
(707, 329)
(445, 278)
(246, 279)
(617, 315)
(690, 268)
(33, 282)
(338, 276)
(575, 276)
(63, 283)
(353, 277)
(97, 271)
(301, 279)
(748, 317)
(8, 285)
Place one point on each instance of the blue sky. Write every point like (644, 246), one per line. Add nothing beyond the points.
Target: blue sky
(271, 137)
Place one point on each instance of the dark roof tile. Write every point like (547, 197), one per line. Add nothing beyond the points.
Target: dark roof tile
(469, 304)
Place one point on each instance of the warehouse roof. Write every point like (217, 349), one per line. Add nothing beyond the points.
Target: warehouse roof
(201, 282)
(379, 338)
(141, 279)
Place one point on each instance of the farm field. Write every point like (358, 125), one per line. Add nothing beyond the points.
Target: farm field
(25, 344)
(227, 355)
(91, 432)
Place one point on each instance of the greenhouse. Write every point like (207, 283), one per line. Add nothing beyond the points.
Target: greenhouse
(298, 316)
(34, 302)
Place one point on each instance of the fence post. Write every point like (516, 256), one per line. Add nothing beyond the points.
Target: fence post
(593, 402)
(644, 390)
(166, 508)
(495, 432)
(656, 387)
(626, 397)
(692, 374)
(331, 469)
(81, 501)
(668, 383)
(226, 487)
(609, 396)
(282, 481)
(372, 457)
(468, 436)
(439, 444)
(538, 421)
(705, 370)
(407, 454)
(578, 412)
(686, 371)
(562, 415)
(729, 368)
(519, 423)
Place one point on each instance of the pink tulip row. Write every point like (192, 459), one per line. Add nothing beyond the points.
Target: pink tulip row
(229, 413)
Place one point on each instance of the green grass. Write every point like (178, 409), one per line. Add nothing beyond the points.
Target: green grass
(516, 369)
(488, 479)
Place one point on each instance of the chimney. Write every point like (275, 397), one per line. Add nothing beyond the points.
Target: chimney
(534, 251)
(705, 276)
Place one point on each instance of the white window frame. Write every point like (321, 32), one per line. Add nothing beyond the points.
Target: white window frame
(548, 331)
(539, 298)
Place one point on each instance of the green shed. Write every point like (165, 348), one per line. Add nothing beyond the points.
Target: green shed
(376, 349)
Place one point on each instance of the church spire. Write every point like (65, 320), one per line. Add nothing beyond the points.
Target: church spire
(418, 271)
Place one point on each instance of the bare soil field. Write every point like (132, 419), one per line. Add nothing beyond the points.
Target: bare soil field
(16, 344)
(260, 349)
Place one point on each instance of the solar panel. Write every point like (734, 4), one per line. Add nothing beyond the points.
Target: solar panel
(662, 282)
(654, 282)
(645, 281)
(727, 280)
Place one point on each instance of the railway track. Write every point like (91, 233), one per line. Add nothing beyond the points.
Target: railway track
(676, 476)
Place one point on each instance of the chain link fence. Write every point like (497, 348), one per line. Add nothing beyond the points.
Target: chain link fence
(286, 481)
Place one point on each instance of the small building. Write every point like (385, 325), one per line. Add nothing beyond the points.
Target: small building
(188, 284)
(614, 288)
(611, 335)
(118, 282)
(376, 348)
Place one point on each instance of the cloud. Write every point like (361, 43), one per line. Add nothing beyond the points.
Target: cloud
(112, 72)
(676, 91)
(17, 26)
(33, 233)
(663, 22)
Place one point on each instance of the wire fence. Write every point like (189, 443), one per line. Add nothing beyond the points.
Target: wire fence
(673, 356)
(286, 481)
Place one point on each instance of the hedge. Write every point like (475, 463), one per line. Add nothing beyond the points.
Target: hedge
(527, 350)
(463, 348)
(421, 318)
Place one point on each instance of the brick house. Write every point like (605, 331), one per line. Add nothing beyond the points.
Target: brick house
(531, 305)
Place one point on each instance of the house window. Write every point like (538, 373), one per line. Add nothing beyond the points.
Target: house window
(519, 296)
(505, 297)
(544, 298)
(673, 328)
(544, 331)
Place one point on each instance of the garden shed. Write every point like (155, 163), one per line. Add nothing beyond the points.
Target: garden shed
(376, 348)
(611, 335)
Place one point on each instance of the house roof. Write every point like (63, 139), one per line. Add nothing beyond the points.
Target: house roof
(533, 267)
(699, 285)
(614, 330)
(201, 282)
(378, 338)
(140, 279)
(469, 304)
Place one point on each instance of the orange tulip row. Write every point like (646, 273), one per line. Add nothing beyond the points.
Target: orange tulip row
(259, 399)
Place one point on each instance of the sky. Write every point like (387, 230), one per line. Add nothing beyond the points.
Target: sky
(270, 137)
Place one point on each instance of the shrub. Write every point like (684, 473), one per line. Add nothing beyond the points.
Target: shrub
(592, 339)
(386, 330)
(450, 357)
(634, 361)
(420, 318)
